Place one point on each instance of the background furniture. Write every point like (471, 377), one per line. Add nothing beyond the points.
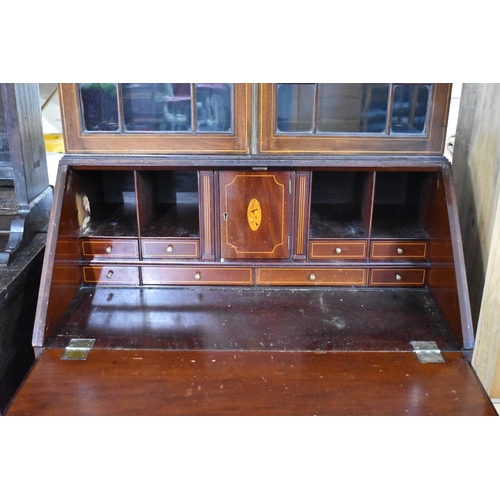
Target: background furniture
(25, 202)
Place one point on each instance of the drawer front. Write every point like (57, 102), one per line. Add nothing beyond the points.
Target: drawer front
(397, 277)
(166, 275)
(110, 249)
(311, 276)
(398, 250)
(340, 249)
(170, 249)
(111, 275)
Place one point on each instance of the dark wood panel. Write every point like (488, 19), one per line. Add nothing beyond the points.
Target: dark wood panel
(138, 382)
(312, 276)
(337, 249)
(398, 250)
(155, 275)
(106, 275)
(265, 195)
(19, 284)
(156, 248)
(397, 277)
(110, 249)
(254, 318)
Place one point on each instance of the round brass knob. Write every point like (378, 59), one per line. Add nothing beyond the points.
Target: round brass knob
(170, 249)
(400, 251)
(338, 250)
(108, 249)
(110, 274)
(197, 276)
(312, 277)
(398, 277)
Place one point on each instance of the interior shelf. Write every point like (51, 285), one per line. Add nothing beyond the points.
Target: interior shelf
(399, 205)
(107, 203)
(168, 204)
(339, 205)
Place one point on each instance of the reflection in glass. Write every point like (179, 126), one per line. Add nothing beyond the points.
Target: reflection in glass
(295, 107)
(100, 106)
(157, 106)
(213, 107)
(352, 107)
(409, 109)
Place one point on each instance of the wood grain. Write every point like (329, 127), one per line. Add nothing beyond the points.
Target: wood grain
(137, 382)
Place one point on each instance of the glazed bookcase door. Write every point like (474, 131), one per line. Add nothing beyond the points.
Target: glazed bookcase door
(159, 118)
(355, 118)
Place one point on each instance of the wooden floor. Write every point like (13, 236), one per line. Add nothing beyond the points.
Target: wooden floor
(202, 382)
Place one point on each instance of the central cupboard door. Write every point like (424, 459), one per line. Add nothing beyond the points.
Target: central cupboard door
(255, 214)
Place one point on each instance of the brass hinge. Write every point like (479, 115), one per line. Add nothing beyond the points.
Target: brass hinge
(427, 352)
(78, 349)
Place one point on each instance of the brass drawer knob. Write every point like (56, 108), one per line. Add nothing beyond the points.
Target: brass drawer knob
(197, 276)
(108, 249)
(400, 251)
(110, 274)
(398, 277)
(312, 277)
(338, 250)
(170, 249)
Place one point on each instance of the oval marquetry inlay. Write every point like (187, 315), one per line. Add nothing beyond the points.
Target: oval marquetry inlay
(254, 214)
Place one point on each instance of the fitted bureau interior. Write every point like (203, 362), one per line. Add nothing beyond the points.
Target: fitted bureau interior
(376, 270)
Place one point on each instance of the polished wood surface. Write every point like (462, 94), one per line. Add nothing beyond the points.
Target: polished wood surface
(266, 194)
(397, 277)
(337, 249)
(205, 382)
(249, 318)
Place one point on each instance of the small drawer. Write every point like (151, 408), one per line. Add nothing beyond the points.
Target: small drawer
(397, 277)
(398, 250)
(111, 275)
(170, 249)
(110, 249)
(337, 250)
(311, 276)
(166, 275)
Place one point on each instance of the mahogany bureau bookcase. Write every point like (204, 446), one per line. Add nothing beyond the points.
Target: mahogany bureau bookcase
(220, 248)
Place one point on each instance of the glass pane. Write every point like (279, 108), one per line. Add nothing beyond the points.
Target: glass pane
(352, 107)
(295, 107)
(409, 109)
(213, 107)
(157, 106)
(100, 106)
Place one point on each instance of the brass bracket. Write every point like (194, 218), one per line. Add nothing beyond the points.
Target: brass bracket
(78, 349)
(427, 352)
